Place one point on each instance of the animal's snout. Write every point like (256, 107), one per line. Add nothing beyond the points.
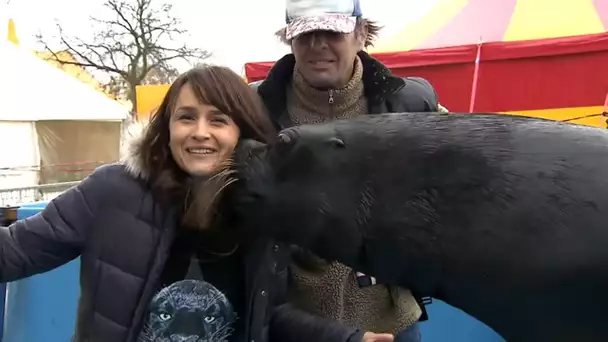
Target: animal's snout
(247, 149)
(185, 324)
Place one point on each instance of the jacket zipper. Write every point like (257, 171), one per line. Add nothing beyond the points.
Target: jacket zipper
(163, 247)
(331, 102)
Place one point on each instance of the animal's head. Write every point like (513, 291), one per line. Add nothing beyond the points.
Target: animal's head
(188, 311)
(311, 178)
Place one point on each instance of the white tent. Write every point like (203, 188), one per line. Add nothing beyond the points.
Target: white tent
(33, 90)
(53, 127)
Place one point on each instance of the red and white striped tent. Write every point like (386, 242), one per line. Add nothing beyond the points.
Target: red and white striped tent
(544, 58)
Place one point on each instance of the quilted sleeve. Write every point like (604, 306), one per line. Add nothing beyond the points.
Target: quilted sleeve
(54, 236)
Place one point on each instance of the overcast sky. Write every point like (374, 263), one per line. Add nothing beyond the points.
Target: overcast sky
(235, 31)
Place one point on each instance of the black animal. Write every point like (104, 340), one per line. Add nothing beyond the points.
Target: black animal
(504, 217)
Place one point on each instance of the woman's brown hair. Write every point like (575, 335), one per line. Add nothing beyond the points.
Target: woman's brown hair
(227, 91)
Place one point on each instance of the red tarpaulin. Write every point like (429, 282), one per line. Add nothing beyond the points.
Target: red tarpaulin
(514, 76)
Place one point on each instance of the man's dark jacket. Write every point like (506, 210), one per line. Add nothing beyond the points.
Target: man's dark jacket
(385, 92)
(123, 235)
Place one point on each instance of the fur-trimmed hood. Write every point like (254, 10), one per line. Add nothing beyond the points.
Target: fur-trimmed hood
(131, 151)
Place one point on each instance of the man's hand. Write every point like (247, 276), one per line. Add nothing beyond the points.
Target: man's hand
(373, 337)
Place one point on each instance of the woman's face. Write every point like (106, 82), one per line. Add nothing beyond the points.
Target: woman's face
(201, 136)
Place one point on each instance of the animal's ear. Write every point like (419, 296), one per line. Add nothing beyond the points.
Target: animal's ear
(286, 140)
(337, 142)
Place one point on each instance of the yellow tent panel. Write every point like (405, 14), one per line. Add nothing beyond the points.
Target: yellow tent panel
(12, 32)
(149, 97)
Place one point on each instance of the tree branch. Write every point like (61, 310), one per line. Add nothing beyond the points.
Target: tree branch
(137, 42)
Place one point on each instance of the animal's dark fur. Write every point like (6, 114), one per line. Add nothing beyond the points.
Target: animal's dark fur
(504, 217)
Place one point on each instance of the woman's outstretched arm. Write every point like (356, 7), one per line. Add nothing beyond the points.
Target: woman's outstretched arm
(54, 236)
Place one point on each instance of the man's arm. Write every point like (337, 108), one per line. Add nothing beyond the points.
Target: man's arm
(419, 95)
(289, 324)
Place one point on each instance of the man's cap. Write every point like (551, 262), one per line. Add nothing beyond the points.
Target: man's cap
(303, 16)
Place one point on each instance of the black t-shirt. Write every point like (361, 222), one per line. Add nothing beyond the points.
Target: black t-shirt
(201, 291)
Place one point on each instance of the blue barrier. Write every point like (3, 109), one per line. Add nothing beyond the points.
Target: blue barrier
(447, 323)
(42, 307)
(2, 302)
(29, 209)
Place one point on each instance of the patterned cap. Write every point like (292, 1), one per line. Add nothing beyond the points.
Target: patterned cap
(304, 16)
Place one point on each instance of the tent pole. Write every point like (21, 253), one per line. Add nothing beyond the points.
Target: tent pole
(475, 77)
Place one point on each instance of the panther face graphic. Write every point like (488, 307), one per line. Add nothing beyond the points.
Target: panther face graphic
(188, 311)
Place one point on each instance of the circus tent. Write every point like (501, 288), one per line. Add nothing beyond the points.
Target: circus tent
(543, 58)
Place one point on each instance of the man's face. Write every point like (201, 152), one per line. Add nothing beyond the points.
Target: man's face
(324, 58)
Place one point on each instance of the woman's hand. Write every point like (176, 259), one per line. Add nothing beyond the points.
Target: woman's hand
(373, 337)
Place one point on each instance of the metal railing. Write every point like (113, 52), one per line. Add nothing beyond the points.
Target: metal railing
(67, 172)
(54, 179)
(44, 192)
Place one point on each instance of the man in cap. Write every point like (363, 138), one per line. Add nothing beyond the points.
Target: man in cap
(328, 76)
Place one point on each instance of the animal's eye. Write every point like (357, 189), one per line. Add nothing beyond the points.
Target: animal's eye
(164, 316)
(209, 319)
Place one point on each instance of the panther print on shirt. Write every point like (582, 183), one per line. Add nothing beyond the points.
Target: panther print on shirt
(188, 311)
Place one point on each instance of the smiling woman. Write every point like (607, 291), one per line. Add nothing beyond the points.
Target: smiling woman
(206, 110)
(160, 260)
(201, 136)
(204, 114)
(202, 117)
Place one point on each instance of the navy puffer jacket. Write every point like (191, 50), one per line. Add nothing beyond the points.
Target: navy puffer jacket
(123, 236)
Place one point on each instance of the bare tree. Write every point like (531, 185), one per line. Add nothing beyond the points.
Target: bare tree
(136, 45)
